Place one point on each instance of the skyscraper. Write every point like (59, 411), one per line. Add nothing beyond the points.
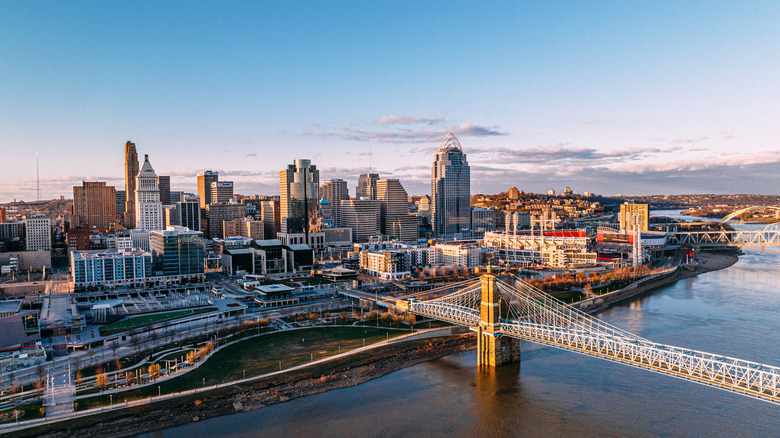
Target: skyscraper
(204, 186)
(366, 188)
(396, 221)
(94, 204)
(335, 191)
(131, 172)
(450, 189)
(165, 189)
(148, 208)
(298, 198)
(221, 191)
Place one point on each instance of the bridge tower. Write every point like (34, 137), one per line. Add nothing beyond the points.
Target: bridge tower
(493, 349)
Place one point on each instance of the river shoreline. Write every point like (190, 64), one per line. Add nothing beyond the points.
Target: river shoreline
(335, 375)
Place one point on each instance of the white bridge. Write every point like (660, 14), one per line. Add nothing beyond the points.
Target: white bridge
(769, 236)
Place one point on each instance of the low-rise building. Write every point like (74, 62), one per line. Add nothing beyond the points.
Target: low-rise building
(99, 269)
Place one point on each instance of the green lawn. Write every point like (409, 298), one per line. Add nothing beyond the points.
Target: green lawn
(31, 412)
(138, 321)
(258, 356)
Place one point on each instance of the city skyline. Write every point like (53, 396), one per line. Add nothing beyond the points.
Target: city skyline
(619, 98)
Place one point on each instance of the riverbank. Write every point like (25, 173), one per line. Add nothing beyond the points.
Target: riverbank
(339, 373)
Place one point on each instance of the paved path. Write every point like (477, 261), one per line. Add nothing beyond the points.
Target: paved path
(60, 391)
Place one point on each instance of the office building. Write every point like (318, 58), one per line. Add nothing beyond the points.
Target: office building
(204, 186)
(120, 197)
(177, 196)
(366, 188)
(78, 239)
(178, 254)
(94, 204)
(37, 233)
(164, 183)
(482, 220)
(244, 227)
(186, 213)
(298, 185)
(396, 221)
(450, 189)
(219, 213)
(109, 268)
(363, 216)
(221, 191)
(270, 214)
(628, 211)
(334, 191)
(131, 172)
(148, 208)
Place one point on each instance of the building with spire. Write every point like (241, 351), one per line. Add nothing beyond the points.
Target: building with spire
(148, 208)
(450, 190)
(131, 171)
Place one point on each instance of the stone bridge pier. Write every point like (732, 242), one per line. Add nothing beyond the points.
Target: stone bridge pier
(493, 348)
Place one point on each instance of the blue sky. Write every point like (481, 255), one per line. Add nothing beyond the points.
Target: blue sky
(610, 97)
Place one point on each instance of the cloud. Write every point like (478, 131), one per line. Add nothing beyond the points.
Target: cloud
(588, 122)
(406, 135)
(251, 154)
(561, 154)
(689, 140)
(401, 120)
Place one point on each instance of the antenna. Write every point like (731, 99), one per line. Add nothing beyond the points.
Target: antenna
(370, 156)
(37, 177)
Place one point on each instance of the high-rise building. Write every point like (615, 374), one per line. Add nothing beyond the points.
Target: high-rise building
(363, 216)
(148, 208)
(243, 227)
(335, 191)
(186, 213)
(204, 186)
(298, 186)
(270, 214)
(221, 191)
(514, 193)
(219, 213)
(131, 172)
(3, 216)
(94, 204)
(627, 211)
(37, 233)
(178, 252)
(396, 221)
(121, 197)
(366, 188)
(164, 182)
(176, 196)
(450, 189)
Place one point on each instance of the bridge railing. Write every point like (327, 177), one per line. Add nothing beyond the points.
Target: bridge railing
(749, 378)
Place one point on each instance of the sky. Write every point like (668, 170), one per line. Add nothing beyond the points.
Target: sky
(623, 97)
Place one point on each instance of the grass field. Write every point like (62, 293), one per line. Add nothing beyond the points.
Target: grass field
(257, 356)
(138, 321)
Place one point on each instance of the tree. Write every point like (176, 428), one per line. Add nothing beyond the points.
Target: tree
(371, 316)
(343, 317)
(386, 318)
(192, 356)
(41, 372)
(411, 319)
(129, 377)
(154, 370)
(118, 364)
(101, 378)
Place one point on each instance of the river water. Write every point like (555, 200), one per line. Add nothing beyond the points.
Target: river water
(734, 312)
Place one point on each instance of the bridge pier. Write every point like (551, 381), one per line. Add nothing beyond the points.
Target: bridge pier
(493, 349)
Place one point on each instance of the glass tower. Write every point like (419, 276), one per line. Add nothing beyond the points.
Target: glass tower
(450, 189)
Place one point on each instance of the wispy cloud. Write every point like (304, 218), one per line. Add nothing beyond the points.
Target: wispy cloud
(406, 135)
(250, 155)
(392, 119)
(588, 122)
(562, 153)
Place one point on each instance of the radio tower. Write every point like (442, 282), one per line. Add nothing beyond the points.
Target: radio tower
(37, 177)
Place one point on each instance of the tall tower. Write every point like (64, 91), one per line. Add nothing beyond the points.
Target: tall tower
(204, 186)
(131, 171)
(298, 198)
(148, 208)
(450, 189)
(396, 221)
(335, 191)
(366, 188)
(94, 204)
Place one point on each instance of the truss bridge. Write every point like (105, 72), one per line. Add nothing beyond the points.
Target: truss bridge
(504, 311)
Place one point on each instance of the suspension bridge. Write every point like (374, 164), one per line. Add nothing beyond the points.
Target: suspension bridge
(505, 310)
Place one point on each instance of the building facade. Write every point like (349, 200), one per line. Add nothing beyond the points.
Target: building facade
(37, 233)
(397, 223)
(450, 189)
(164, 182)
(177, 254)
(366, 188)
(94, 204)
(628, 211)
(204, 186)
(334, 191)
(131, 172)
(298, 185)
(219, 213)
(363, 216)
(109, 268)
(148, 208)
(221, 191)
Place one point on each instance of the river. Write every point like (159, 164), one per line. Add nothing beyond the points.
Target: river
(734, 312)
